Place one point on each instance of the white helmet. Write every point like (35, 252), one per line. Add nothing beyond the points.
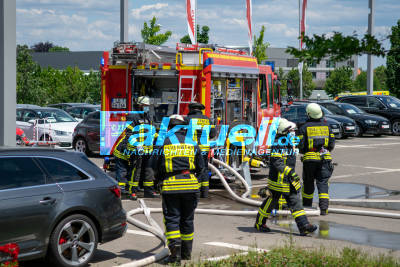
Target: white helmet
(285, 126)
(143, 100)
(314, 111)
(177, 117)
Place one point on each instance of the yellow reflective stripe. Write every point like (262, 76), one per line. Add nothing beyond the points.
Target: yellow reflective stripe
(121, 183)
(187, 236)
(173, 234)
(120, 155)
(177, 188)
(287, 170)
(148, 183)
(191, 163)
(298, 213)
(309, 196)
(296, 185)
(332, 135)
(270, 182)
(324, 195)
(276, 155)
(326, 142)
(205, 183)
(168, 164)
(263, 212)
(133, 183)
(300, 136)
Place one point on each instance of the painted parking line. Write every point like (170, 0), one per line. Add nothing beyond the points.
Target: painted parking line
(367, 167)
(363, 174)
(143, 233)
(226, 257)
(235, 246)
(367, 145)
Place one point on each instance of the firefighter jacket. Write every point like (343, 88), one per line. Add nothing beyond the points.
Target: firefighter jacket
(123, 148)
(281, 172)
(316, 140)
(201, 120)
(179, 166)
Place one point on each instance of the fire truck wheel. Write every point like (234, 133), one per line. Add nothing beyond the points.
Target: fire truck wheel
(81, 146)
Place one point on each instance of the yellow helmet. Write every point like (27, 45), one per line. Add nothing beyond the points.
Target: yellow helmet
(314, 111)
(285, 125)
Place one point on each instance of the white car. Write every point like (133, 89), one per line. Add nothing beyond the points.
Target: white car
(47, 124)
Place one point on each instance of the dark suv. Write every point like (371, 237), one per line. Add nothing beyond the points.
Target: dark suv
(57, 203)
(385, 106)
(86, 136)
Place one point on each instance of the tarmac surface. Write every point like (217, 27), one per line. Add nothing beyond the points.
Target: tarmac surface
(373, 161)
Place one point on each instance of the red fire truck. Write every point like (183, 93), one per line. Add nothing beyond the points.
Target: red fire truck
(230, 83)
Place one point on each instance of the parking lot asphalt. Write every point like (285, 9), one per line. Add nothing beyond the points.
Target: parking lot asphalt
(373, 161)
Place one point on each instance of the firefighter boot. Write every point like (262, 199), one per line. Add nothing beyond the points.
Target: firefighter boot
(175, 255)
(186, 252)
(323, 206)
(307, 229)
(150, 194)
(133, 196)
(262, 228)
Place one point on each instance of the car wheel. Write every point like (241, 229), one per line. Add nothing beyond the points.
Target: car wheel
(396, 127)
(359, 131)
(73, 241)
(81, 146)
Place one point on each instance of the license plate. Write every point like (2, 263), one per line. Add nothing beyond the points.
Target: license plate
(118, 103)
(350, 127)
(385, 126)
(335, 130)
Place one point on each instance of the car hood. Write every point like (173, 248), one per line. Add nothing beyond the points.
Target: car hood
(332, 121)
(340, 118)
(365, 116)
(60, 126)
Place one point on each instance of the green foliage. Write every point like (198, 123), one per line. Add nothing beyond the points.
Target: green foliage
(308, 84)
(282, 78)
(202, 37)
(337, 47)
(59, 49)
(150, 33)
(360, 83)
(393, 61)
(339, 81)
(45, 86)
(42, 47)
(294, 256)
(260, 48)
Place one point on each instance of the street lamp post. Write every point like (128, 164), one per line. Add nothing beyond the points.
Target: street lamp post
(370, 70)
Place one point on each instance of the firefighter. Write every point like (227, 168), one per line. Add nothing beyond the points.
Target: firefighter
(180, 168)
(283, 181)
(196, 117)
(140, 155)
(316, 143)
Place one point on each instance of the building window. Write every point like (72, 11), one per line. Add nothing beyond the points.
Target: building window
(330, 64)
(350, 63)
(328, 74)
(313, 65)
(292, 62)
(314, 75)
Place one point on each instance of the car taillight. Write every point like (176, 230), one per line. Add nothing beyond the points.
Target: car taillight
(115, 189)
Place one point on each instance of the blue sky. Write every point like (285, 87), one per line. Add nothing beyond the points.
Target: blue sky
(94, 24)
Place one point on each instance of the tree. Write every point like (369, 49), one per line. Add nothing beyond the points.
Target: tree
(202, 37)
(393, 61)
(59, 49)
(150, 33)
(339, 81)
(260, 48)
(308, 84)
(360, 83)
(337, 47)
(42, 47)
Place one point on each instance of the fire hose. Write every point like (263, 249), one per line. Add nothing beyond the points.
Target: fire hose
(155, 229)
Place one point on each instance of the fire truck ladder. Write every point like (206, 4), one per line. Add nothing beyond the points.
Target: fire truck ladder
(186, 90)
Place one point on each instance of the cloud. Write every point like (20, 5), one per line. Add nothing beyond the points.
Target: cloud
(139, 13)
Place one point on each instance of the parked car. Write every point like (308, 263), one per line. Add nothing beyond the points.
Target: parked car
(366, 123)
(58, 204)
(347, 125)
(64, 106)
(80, 112)
(297, 114)
(27, 106)
(382, 105)
(49, 124)
(86, 136)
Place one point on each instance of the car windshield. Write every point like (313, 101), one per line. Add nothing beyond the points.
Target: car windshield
(390, 101)
(55, 116)
(350, 109)
(326, 111)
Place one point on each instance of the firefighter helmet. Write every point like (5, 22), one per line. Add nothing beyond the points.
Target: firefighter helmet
(314, 111)
(176, 120)
(143, 100)
(285, 126)
(196, 106)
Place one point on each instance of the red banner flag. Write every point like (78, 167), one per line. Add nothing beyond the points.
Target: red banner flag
(249, 15)
(191, 19)
(303, 22)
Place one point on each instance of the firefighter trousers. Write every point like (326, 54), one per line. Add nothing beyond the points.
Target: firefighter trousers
(122, 170)
(138, 177)
(293, 202)
(320, 172)
(178, 210)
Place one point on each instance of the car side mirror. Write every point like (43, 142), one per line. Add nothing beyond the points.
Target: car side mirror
(32, 121)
